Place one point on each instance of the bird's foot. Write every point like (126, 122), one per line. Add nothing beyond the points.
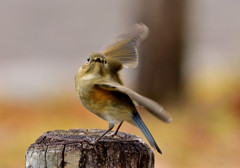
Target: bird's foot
(114, 134)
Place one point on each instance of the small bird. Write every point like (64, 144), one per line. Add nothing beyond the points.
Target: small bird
(101, 91)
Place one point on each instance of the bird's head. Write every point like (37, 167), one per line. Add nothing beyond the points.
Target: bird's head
(96, 65)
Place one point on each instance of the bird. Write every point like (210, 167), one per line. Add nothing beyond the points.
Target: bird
(100, 88)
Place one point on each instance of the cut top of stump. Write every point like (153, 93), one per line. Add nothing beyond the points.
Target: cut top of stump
(75, 148)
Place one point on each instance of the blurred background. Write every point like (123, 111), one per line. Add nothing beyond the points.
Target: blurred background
(190, 64)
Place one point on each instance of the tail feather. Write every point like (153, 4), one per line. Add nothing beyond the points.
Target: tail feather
(139, 122)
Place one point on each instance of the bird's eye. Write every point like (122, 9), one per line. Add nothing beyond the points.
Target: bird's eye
(88, 59)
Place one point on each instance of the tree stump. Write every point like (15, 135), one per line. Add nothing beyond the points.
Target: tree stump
(74, 148)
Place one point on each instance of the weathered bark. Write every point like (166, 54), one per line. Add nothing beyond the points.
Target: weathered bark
(74, 148)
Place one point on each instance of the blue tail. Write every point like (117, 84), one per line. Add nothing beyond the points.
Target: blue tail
(139, 122)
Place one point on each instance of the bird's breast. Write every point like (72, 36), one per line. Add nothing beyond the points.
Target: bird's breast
(110, 105)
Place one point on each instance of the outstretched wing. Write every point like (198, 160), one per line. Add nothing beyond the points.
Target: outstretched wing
(151, 106)
(124, 49)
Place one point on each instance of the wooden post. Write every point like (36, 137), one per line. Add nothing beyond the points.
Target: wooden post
(74, 148)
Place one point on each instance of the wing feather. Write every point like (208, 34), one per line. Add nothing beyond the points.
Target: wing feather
(124, 49)
(150, 105)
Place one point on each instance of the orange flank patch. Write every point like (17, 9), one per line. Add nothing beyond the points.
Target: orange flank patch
(112, 98)
(102, 94)
(110, 105)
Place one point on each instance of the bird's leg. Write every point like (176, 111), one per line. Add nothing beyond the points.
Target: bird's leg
(110, 128)
(115, 133)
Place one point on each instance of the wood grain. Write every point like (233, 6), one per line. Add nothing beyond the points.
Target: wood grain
(74, 148)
